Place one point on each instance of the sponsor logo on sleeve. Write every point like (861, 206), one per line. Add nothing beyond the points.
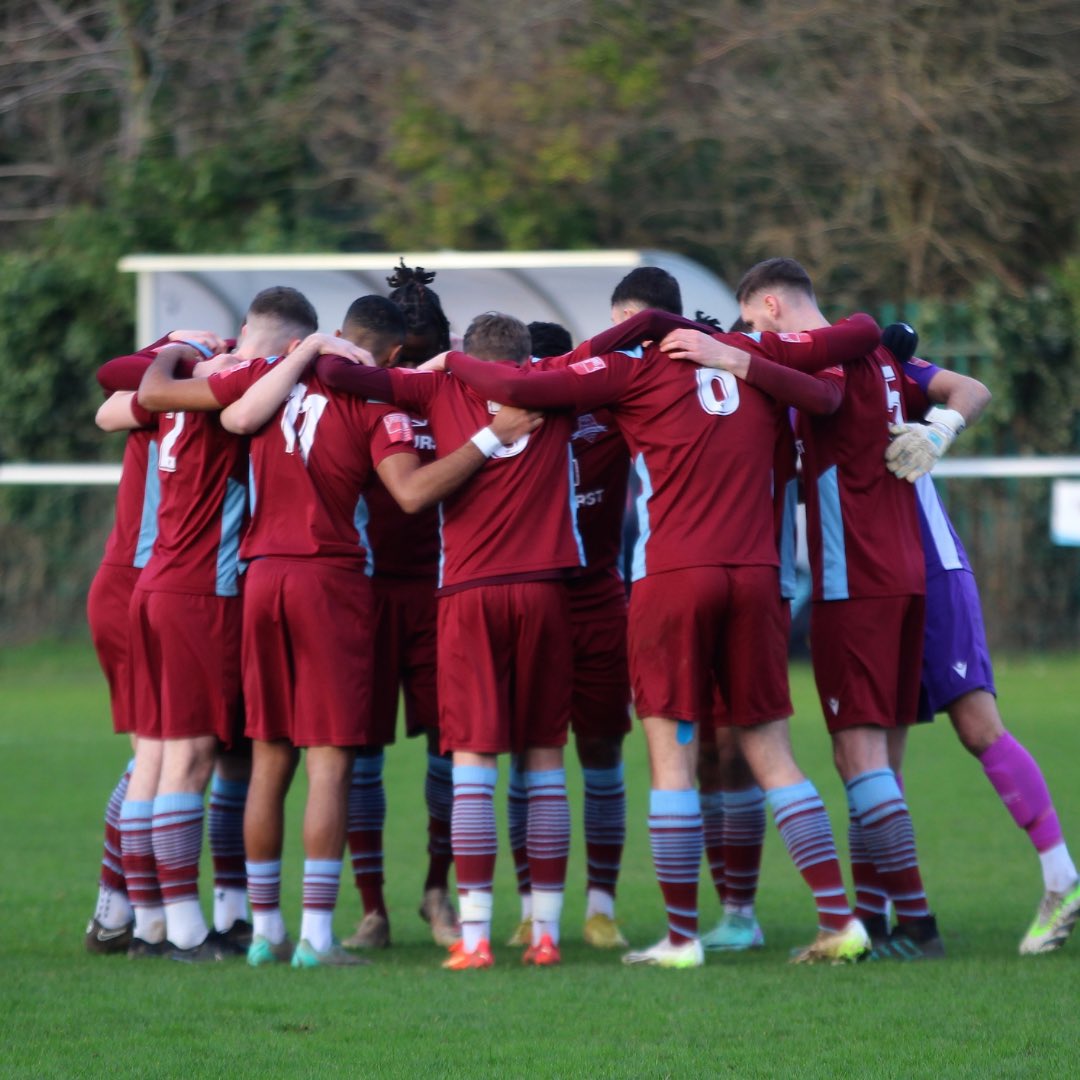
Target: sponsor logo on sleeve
(398, 427)
(802, 336)
(588, 365)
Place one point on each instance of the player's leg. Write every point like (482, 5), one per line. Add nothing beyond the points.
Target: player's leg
(200, 712)
(137, 850)
(753, 680)
(137, 811)
(958, 676)
(540, 720)
(366, 822)
(272, 767)
(186, 765)
(517, 830)
(225, 831)
(884, 823)
(548, 843)
(1019, 783)
(367, 795)
(733, 812)
(419, 684)
(474, 725)
(600, 720)
(329, 770)
(803, 824)
(108, 607)
(605, 834)
(673, 622)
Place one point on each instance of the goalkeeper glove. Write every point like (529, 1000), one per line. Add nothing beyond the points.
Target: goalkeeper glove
(915, 448)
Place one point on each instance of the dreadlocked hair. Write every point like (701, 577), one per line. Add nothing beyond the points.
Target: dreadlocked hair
(708, 320)
(420, 305)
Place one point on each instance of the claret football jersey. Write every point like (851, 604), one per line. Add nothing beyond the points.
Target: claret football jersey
(309, 464)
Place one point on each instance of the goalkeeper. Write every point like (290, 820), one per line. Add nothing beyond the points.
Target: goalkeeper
(957, 676)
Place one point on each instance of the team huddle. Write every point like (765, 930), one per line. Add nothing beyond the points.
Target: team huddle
(311, 526)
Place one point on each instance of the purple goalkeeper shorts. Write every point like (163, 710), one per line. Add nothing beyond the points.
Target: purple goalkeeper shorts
(956, 659)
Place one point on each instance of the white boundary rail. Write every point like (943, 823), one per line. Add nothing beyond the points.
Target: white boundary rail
(985, 468)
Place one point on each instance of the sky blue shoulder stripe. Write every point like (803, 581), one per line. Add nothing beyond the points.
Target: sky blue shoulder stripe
(148, 525)
(638, 569)
(833, 550)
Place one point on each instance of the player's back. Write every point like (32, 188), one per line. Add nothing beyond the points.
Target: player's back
(309, 465)
(516, 516)
(202, 472)
(862, 524)
(701, 443)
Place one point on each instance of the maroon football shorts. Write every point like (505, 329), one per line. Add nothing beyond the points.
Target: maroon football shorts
(504, 660)
(867, 657)
(108, 608)
(185, 656)
(307, 652)
(405, 635)
(705, 629)
(600, 702)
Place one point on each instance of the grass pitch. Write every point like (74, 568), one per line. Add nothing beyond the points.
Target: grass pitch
(982, 1012)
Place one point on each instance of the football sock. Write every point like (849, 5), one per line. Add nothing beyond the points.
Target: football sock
(113, 907)
(890, 838)
(599, 902)
(475, 918)
(475, 843)
(1059, 872)
(548, 842)
(112, 870)
(712, 817)
(264, 887)
(517, 827)
(871, 897)
(439, 796)
(605, 829)
(804, 827)
(225, 828)
(1020, 785)
(177, 839)
(744, 839)
(140, 869)
(676, 838)
(367, 818)
(321, 880)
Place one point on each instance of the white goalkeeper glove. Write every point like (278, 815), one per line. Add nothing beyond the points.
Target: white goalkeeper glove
(915, 448)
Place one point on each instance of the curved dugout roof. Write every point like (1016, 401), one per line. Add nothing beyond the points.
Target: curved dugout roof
(574, 288)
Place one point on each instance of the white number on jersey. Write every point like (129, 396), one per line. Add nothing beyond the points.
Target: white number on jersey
(893, 401)
(718, 391)
(167, 448)
(312, 407)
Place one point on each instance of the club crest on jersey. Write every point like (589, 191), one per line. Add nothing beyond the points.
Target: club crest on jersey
(588, 428)
(960, 667)
(801, 336)
(398, 427)
(589, 365)
(834, 706)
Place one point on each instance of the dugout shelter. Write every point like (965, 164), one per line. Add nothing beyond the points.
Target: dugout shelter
(211, 292)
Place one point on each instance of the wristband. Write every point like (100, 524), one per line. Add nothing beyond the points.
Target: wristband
(486, 441)
(195, 345)
(945, 425)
